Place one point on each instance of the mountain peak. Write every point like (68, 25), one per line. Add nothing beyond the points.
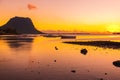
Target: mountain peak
(21, 25)
(20, 17)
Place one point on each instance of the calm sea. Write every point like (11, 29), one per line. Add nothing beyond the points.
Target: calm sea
(34, 57)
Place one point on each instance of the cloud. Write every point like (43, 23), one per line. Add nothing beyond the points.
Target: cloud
(31, 7)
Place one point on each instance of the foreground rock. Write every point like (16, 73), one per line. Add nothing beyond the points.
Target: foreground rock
(73, 71)
(84, 51)
(19, 25)
(116, 63)
(56, 48)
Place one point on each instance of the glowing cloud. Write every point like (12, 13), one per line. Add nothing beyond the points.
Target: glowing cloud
(31, 7)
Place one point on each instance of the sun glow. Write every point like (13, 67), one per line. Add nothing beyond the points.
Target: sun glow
(113, 28)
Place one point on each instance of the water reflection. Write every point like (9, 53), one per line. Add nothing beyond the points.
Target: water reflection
(50, 59)
(18, 42)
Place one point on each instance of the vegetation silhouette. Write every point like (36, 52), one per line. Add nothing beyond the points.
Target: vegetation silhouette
(17, 41)
(103, 44)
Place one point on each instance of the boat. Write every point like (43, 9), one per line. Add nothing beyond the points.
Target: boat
(68, 37)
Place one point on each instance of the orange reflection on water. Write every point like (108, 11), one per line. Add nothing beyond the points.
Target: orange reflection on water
(37, 58)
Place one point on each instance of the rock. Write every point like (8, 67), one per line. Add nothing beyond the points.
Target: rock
(116, 63)
(88, 71)
(54, 60)
(19, 25)
(84, 51)
(105, 73)
(101, 78)
(56, 48)
(73, 71)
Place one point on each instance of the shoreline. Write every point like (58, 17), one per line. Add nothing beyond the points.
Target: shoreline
(103, 44)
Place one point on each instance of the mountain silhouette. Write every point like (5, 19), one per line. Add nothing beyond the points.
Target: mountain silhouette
(19, 25)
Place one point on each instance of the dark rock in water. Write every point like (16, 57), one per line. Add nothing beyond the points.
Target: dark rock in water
(105, 73)
(32, 61)
(88, 71)
(54, 60)
(73, 71)
(84, 51)
(56, 48)
(19, 25)
(101, 78)
(116, 63)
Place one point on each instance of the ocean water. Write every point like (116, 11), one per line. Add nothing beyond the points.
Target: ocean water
(34, 57)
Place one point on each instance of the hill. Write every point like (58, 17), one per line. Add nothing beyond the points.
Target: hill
(19, 25)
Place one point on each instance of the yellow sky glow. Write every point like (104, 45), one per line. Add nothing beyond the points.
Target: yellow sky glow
(69, 15)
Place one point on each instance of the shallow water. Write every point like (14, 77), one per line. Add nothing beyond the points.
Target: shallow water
(34, 57)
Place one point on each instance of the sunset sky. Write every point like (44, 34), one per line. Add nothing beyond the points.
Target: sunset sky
(70, 15)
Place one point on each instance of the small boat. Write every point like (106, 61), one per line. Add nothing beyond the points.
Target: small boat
(68, 37)
(51, 35)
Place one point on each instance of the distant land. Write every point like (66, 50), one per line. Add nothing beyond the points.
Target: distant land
(78, 32)
(19, 25)
(24, 25)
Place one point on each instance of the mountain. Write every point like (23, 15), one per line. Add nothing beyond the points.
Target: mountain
(19, 25)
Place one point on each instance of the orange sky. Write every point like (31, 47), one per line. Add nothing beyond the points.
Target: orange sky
(80, 15)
